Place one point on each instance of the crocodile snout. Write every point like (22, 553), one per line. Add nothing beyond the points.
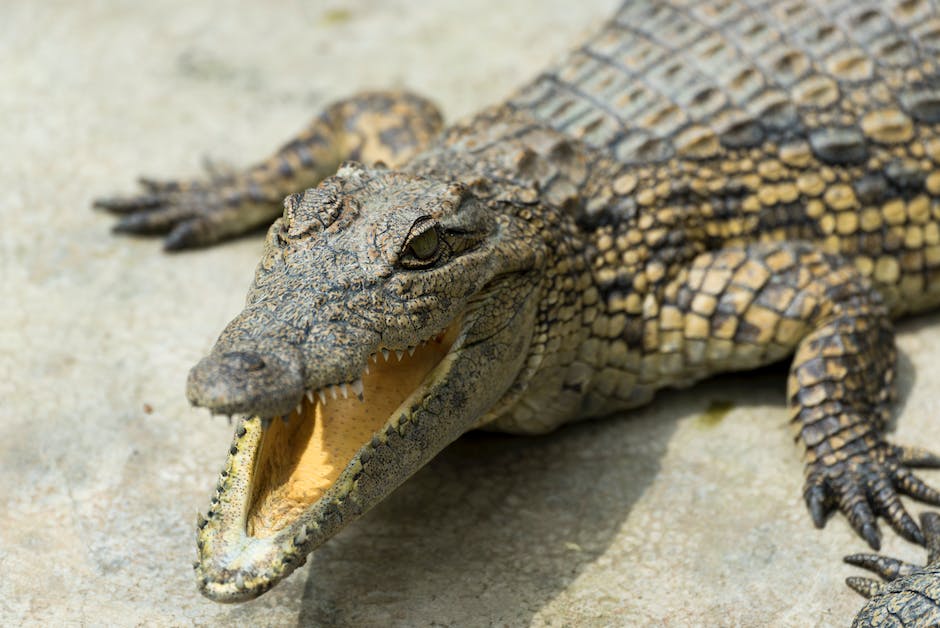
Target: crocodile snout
(267, 381)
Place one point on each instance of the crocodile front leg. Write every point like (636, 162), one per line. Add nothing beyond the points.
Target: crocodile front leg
(387, 127)
(739, 308)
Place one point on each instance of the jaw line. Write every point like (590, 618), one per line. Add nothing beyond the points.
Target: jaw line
(234, 566)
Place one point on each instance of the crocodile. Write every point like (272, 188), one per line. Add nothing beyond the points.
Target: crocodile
(911, 596)
(699, 187)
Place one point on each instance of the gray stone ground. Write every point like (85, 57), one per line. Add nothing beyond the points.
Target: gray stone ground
(672, 515)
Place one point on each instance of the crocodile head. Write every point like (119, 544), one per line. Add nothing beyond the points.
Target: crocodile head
(389, 314)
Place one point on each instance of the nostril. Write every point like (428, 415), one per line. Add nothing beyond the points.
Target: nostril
(244, 360)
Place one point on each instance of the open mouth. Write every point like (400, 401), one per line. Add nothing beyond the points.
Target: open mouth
(290, 482)
(300, 456)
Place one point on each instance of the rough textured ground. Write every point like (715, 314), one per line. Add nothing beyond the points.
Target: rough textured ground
(675, 514)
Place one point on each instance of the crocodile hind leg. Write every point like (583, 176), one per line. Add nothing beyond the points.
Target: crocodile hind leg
(387, 127)
(743, 307)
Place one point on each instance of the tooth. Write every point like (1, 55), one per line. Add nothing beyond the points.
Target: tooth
(411, 350)
(399, 354)
(344, 390)
(357, 388)
(366, 371)
(299, 408)
(333, 391)
(265, 422)
(322, 395)
(385, 354)
(310, 396)
(239, 581)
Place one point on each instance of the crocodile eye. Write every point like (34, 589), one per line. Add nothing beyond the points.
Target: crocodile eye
(424, 246)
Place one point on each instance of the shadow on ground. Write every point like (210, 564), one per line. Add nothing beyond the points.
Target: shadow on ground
(497, 526)
(490, 531)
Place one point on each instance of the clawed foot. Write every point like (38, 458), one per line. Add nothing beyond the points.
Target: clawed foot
(193, 214)
(887, 568)
(869, 484)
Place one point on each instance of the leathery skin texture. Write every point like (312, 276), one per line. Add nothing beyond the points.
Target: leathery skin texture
(910, 595)
(578, 259)
(638, 428)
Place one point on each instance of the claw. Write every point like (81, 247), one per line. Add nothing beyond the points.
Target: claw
(816, 501)
(886, 502)
(904, 525)
(184, 235)
(916, 457)
(869, 532)
(854, 503)
(128, 204)
(887, 568)
(910, 484)
(866, 587)
(156, 221)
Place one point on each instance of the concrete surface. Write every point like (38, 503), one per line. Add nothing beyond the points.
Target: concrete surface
(674, 515)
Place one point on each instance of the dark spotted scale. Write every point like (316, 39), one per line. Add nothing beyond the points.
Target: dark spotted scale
(788, 113)
(690, 79)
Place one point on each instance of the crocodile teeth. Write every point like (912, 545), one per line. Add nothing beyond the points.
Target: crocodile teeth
(310, 396)
(357, 388)
(399, 354)
(344, 390)
(333, 392)
(322, 395)
(299, 408)
(366, 371)
(411, 351)
(385, 354)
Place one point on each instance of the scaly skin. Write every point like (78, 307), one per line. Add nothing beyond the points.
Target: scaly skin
(701, 187)
(911, 596)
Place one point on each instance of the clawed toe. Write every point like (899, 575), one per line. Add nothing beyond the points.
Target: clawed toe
(125, 205)
(155, 222)
(868, 486)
